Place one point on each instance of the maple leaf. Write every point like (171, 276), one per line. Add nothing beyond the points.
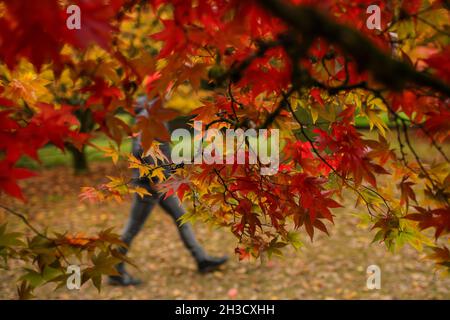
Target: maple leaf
(315, 93)
(32, 30)
(406, 101)
(25, 291)
(142, 192)
(243, 253)
(440, 61)
(96, 22)
(9, 239)
(90, 194)
(176, 186)
(432, 218)
(102, 94)
(352, 152)
(37, 30)
(78, 240)
(54, 124)
(28, 86)
(441, 255)
(173, 37)
(110, 151)
(406, 191)
(380, 149)
(438, 124)
(151, 127)
(206, 113)
(145, 66)
(9, 176)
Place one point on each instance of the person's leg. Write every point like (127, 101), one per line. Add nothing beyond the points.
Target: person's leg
(205, 262)
(141, 206)
(140, 210)
(174, 208)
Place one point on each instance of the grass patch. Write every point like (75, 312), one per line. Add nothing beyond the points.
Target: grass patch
(50, 156)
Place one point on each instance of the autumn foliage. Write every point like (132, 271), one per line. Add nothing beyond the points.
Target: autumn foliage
(307, 68)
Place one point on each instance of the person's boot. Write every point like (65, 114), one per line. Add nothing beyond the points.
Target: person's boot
(210, 264)
(124, 278)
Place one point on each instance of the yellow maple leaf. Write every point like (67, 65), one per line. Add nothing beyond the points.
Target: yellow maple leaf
(27, 85)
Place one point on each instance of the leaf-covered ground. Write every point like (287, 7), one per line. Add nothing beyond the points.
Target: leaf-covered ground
(330, 268)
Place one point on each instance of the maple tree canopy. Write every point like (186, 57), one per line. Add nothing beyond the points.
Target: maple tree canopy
(306, 68)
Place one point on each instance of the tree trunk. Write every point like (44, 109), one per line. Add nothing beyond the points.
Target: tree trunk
(79, 160)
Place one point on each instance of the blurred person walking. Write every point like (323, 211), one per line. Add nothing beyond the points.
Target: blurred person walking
(143, 206)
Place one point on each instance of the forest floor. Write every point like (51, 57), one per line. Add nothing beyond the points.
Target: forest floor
(329, 268)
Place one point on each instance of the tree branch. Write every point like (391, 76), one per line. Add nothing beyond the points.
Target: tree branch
(392, 73)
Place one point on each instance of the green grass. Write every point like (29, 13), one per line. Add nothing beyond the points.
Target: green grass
(50, 156)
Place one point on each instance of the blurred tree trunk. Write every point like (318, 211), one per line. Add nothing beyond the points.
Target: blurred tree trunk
(79, 159)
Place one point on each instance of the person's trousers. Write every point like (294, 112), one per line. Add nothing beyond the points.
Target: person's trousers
(142, 207)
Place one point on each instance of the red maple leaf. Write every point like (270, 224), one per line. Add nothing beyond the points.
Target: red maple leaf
(432, 218)
(9, 176)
